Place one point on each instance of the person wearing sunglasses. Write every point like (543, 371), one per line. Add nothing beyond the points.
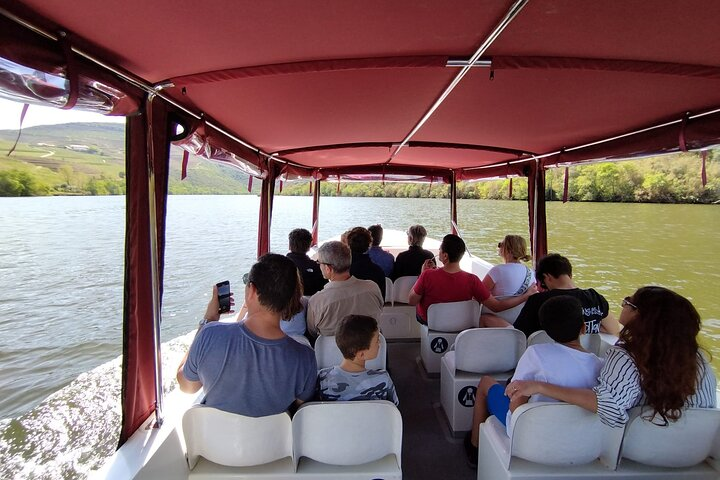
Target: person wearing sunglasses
(252, 367)
(508, 279)
(657, 362)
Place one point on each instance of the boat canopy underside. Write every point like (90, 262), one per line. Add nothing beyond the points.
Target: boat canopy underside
(389, 91)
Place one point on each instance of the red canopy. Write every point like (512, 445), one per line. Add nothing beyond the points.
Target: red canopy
(362, 89)
(344, 84)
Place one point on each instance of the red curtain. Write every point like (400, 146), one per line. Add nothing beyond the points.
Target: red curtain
(267, 194)
(138, 369)
(536, 210)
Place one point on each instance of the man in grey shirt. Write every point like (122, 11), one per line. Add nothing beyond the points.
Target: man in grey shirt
(344, 295)
(252, 368)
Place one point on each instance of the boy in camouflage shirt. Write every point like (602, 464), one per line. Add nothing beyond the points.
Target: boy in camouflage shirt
(358, 338)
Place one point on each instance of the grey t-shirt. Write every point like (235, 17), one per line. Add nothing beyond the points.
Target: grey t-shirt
(335, 383)
(249, 375)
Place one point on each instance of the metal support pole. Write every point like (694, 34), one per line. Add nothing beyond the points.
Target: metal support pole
(154, 263)
(316, 212)
(453, 203)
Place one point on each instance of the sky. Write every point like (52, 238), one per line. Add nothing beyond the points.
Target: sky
(37, 115)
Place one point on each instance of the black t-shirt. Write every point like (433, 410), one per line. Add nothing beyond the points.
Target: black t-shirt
(312, 278)
(595, 308)
(364, 269)
(410, 262)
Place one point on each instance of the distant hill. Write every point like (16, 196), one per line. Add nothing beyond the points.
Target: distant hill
(89, 158)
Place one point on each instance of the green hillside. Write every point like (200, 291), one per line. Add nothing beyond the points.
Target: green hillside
(89, 159)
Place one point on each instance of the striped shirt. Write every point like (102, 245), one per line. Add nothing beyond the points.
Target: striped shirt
(619, 388)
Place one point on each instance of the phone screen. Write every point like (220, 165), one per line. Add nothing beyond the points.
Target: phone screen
(223, 289)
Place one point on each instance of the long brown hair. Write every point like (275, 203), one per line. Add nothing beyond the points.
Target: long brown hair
(662, 339)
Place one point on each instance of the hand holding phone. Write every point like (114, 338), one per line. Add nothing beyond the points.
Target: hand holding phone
(223, 290)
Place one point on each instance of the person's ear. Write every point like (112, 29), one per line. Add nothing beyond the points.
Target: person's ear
(583, 330)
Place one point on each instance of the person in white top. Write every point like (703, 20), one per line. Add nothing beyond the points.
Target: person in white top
(563, 363)
(657, 362)
(509, 279)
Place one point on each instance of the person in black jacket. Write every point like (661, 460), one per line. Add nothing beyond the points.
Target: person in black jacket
(299, 243)
(359, 239)
(410, 262)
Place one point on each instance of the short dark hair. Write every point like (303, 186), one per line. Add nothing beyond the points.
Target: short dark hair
(278, 284)
(454, 246)
(562, 318)
(553, 264)
(377, 233)
(355, 333)
(359, 239)
(299, 240)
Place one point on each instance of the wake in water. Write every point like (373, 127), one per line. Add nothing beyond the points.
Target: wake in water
(75, 429)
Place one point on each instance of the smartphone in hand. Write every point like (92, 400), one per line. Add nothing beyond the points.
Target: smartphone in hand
(223, 289)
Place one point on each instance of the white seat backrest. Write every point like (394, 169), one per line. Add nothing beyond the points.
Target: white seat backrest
(509, 315)
(388, 290)
(453, 316)
(347, 433)
(552, 433)
(327, 354)
(235, 440)
(488, 350)
(683, 443)
(401, 288)
(538, 337)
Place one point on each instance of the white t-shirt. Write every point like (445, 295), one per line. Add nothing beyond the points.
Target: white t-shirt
(557, 364)
(509, 278)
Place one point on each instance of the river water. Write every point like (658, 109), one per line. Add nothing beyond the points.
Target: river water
(61, 276)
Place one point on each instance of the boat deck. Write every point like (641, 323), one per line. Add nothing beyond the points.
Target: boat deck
(429, 449)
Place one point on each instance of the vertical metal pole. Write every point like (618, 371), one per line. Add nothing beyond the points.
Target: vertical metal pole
(316, 212)
(535, 208)
(453, 203)
(154, 262)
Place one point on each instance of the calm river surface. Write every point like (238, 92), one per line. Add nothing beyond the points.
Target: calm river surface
(61, 291)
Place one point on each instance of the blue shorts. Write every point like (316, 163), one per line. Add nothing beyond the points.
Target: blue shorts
(497, 403)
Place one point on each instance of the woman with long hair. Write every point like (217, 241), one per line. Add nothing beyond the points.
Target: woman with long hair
(508, 279)
(657, 362)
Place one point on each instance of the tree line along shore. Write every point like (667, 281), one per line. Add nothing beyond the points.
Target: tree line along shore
(37, 169)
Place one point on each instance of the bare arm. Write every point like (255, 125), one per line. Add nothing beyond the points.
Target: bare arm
(414, 298)
(610, 325)
(497, 305)
(212, 314)
(582, 397)
(488, 282)
(187, 386)
(517, 401)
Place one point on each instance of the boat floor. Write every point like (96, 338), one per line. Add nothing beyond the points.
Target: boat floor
(429, 450)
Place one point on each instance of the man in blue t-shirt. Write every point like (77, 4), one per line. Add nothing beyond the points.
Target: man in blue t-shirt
(252, 368)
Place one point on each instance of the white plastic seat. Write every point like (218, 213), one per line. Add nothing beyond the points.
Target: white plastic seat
(545, 436)
(539, 337)
(401, 288)
(445, 321)
(327, 354)
(509, 315)
(330, 436)
(398, 322)
(216, 438)
(477, 352)
(683, 443)
(597, 343)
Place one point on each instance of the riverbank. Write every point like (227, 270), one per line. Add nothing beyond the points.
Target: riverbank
(88, 159)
